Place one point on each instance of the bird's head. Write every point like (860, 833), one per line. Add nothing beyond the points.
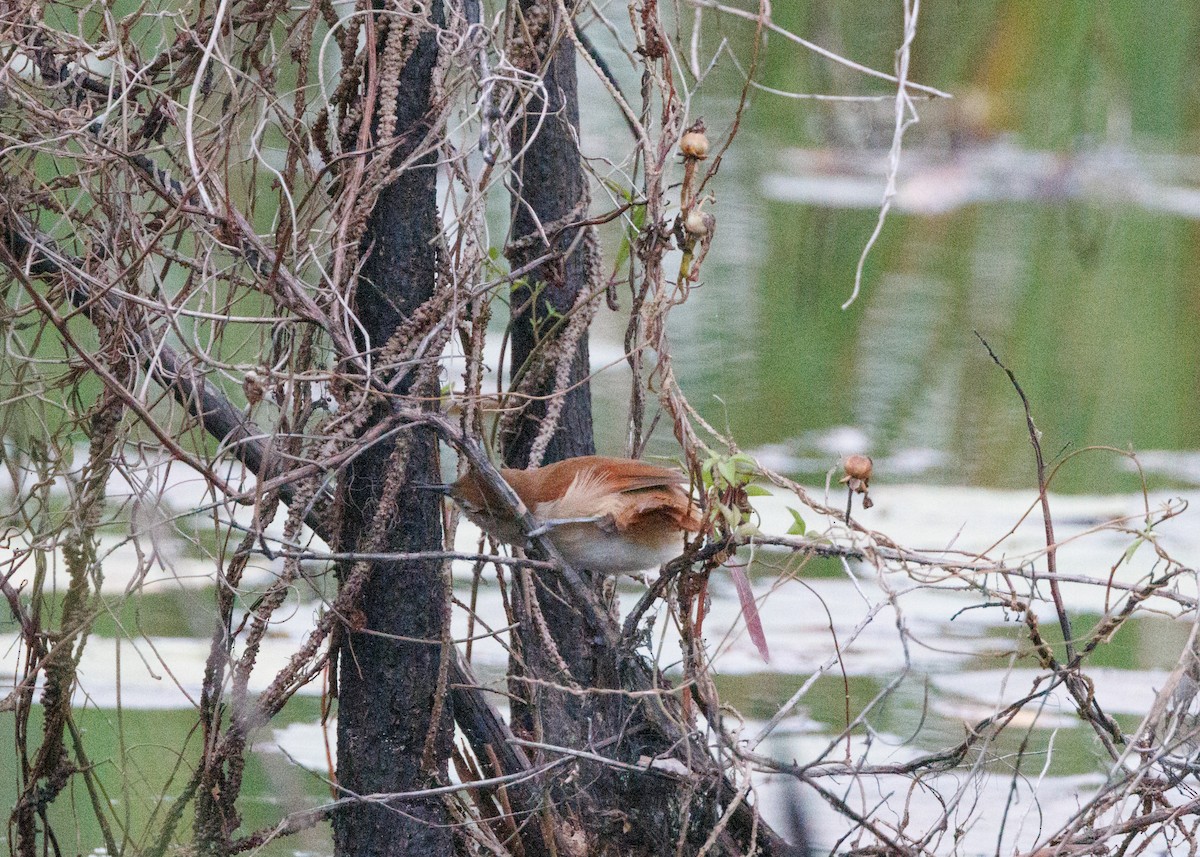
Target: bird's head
(468, 492)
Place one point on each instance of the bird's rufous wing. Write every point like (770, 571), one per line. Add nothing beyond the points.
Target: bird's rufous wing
(670, 502)
(650, 490)
(629, 475)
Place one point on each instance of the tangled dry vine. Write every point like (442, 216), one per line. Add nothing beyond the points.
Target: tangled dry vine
(190, 199)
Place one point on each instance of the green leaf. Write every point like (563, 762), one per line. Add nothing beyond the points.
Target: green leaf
(618, 189)
(637, 215)
(744, 463)
(757, 491)
(798, 527)
(622, 254)
(728, 471)
(1133, 548)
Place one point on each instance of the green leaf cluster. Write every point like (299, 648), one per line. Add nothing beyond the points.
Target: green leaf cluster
(727, 481)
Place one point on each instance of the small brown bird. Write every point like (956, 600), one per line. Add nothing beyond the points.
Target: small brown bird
(606, 515)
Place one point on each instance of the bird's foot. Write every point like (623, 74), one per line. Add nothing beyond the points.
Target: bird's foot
(548, 525)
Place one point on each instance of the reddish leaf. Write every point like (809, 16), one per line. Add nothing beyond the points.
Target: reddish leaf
(750, 610)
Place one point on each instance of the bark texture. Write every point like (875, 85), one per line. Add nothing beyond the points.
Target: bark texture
(549, 193)
(617, 813)
(614, 812)
(387, 685)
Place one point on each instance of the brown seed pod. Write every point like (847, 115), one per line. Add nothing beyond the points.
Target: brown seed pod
(858, 467)
(252, 386)
(694, 144)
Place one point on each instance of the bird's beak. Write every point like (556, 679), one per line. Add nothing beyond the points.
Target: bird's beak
(440, 488)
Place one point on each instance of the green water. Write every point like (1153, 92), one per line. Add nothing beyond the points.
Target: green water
(142, 760)
(1090, 298)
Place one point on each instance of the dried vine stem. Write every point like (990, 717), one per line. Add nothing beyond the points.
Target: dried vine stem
(203, 207)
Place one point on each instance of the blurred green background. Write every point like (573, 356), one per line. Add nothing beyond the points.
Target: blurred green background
(1051, 205)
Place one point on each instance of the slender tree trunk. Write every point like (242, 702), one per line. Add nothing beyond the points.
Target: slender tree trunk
(550, 192)
(390, 656)
(621, 814)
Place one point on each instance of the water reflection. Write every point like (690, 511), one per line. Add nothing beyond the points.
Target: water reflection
(933, 183)
(833, 632)
(1050, 206)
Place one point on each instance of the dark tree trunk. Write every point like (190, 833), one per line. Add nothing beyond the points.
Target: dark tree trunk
(621, 813)
(548, 188)
(387, 685)
(549, 193)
